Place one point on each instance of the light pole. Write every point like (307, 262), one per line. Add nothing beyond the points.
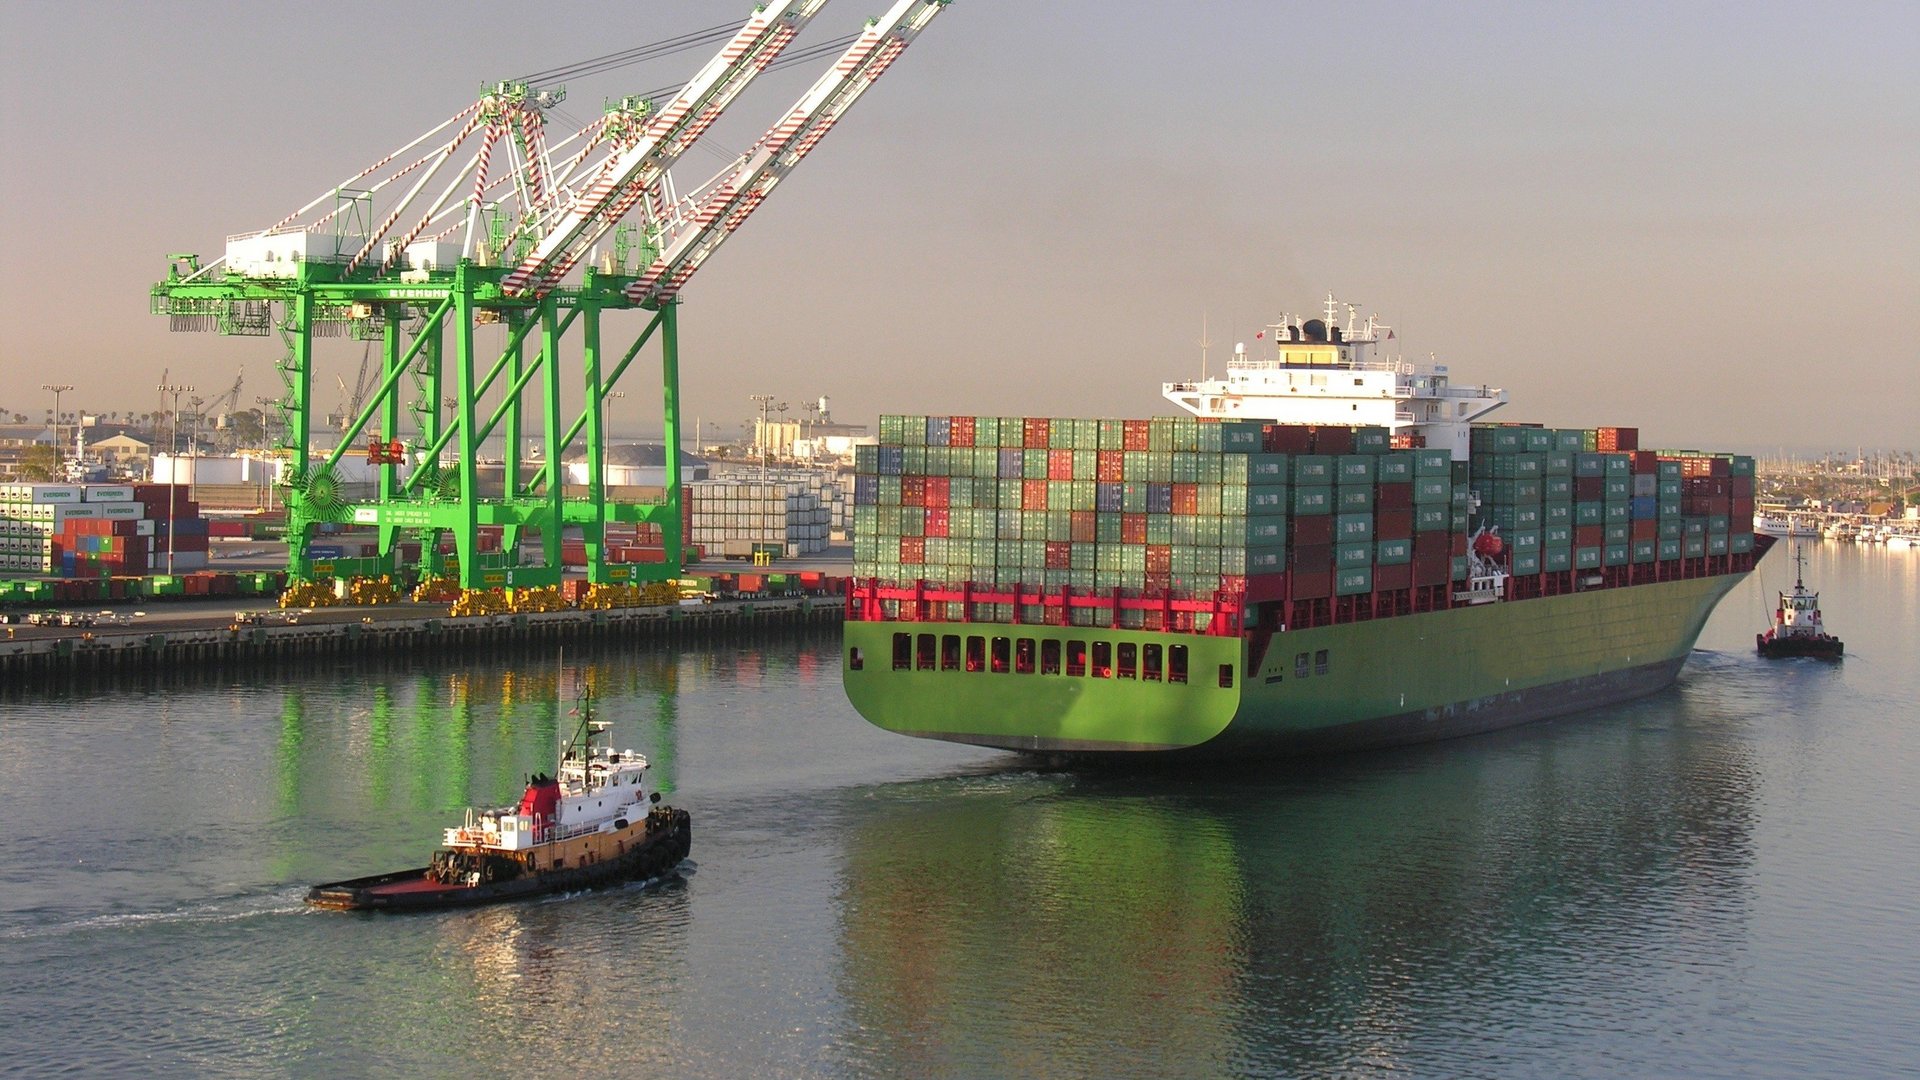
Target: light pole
(59, 453)
(760, 436)
(266, 443)
(173, 460)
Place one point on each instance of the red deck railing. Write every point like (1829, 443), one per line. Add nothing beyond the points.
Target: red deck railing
(866, 598)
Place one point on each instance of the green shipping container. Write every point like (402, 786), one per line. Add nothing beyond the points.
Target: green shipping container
(1394, 468)
(1354, 470)
(1645, 551)
(1352, 556)
(1312, 501)
(1393, 552)
(1312, 470)
(1433, 463)
(1525, 564)
(1352, 528)
(1429, 490)
(1353, 582)
(1348, 500)
(1586, 558)
(1556, 559)
(1669, 549)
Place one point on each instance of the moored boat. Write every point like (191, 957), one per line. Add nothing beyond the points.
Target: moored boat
(591, 824)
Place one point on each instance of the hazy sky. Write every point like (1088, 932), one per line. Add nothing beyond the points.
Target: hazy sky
(1699, 219)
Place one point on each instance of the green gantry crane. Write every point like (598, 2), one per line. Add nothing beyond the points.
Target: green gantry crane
(385, 257)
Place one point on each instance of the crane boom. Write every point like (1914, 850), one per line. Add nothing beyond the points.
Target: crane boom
(732, 198)
(668, 135)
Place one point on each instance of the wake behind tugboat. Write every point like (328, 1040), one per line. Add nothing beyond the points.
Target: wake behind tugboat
(591, 825)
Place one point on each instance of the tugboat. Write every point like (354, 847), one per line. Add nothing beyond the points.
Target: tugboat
(1797, 629)
(590, 825)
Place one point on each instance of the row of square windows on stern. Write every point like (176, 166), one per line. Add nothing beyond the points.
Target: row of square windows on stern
(1025, 656)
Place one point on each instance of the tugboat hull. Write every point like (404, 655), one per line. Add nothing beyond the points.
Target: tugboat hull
(413, 890)
(1820, 648)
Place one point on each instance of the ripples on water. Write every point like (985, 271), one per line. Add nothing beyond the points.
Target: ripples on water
(1713, 881)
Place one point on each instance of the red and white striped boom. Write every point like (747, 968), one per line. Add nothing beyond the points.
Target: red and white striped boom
(625, 176)
(729, 200)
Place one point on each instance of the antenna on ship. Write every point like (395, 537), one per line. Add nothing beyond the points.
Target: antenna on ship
(1205, 343)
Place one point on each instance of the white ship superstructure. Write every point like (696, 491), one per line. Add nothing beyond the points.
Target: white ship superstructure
(1318, 372)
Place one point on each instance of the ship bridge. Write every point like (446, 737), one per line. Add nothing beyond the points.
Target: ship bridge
(1317, 372)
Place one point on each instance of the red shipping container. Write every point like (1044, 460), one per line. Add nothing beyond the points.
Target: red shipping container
(1110, 466)
(1393, 497)
(1033, 495)
(1059, 464)
(1589, 535)
(1393, 525)
(937, 521)
(1645, 529)
(1186, 498)
(1084, 529)
(939, 490)
(1433, 544)
(1311, 559)
(750, 583)
(1136, 435)
(1589, 488)
(962, 431)
(1740, 487)
(1155, 581)
(1611, 439)
(1133, 528)
(1314, 531)
(1262, 588)
(1059, 555)
(1033, 432)
(1159, 559)
(1393, 578)
(1310, 584)
(1459, 544)
(1332, 440)
(913, 549)
(1288, 439)
(1646, 463)
(1432, 569)
(913, 491)
(1407, 440)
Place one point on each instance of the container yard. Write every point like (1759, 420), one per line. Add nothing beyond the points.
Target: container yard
(783, 517)
(94, 530)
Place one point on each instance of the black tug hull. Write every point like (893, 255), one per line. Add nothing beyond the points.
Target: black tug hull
(412, 890)
(1820, 648)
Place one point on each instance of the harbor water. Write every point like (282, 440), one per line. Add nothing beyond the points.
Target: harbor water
(1718, 880)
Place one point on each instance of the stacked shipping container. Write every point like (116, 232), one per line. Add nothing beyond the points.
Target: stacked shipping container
(81, 530)
(1192, 508)
(788, 515)
(1561, 505)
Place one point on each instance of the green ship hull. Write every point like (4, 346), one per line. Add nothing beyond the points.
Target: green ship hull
(1348, 686)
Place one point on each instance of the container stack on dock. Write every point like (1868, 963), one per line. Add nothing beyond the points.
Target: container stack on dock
(1313, 518)
(95, 530)
(785, 515)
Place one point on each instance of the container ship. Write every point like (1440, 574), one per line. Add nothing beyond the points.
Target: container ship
(1327, 551)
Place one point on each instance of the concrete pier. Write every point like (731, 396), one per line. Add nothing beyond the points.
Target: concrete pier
(236, 638)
